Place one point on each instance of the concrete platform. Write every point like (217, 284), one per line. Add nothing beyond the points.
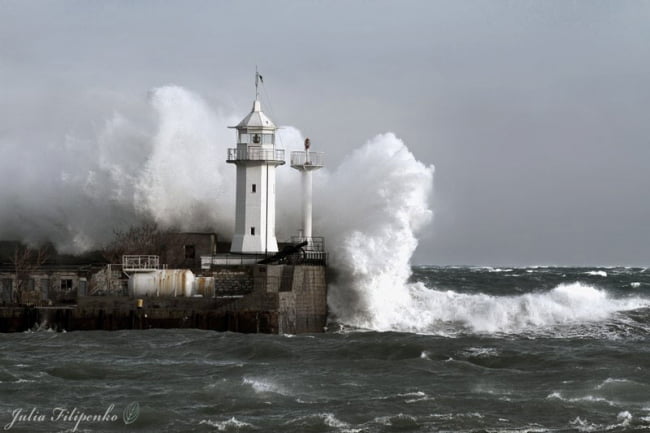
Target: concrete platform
(286, 299)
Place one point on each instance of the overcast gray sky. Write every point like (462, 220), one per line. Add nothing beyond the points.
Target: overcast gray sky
(535, 113)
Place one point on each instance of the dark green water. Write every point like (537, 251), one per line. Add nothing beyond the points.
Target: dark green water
(496, 360)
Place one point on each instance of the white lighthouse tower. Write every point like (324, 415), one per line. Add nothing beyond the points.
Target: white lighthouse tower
(306, 162)
(256, 158)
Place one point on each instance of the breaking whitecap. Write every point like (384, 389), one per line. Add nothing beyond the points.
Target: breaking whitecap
(228, 425)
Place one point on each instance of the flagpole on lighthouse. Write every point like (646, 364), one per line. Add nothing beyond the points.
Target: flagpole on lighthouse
(258, 79)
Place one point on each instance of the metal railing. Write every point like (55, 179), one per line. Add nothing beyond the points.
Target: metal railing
(305, 256)
(261, 154)
(140, 263)
(318, 258)
(231, 259)
(314, 243)
(302, 158)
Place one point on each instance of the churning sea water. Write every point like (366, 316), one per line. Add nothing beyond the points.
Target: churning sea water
(503, 350)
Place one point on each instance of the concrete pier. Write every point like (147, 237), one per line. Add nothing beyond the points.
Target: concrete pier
(286, 299)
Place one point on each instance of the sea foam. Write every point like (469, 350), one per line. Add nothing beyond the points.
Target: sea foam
(566, 304)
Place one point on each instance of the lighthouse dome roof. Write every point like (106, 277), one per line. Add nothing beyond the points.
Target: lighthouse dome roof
(256, 119)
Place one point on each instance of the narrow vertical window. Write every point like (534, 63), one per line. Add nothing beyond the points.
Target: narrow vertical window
(253, 188)
(252, 231)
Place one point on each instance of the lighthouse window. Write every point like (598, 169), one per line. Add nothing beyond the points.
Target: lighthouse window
(243, 138)
(253, 188)
(267, 138)
(252, 231)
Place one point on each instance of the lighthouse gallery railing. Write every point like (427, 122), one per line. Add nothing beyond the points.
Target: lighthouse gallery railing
(256, 155)
(301, 158)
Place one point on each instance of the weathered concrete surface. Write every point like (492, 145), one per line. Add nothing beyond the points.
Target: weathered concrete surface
(284, 299)
(113, 313)
(303, 307)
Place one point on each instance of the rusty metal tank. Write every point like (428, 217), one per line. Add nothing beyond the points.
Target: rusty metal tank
(204, 286)
(162, 282)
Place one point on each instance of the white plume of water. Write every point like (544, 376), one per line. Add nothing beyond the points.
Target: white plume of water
(163, 161)
(186, 172)
(370, 210)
